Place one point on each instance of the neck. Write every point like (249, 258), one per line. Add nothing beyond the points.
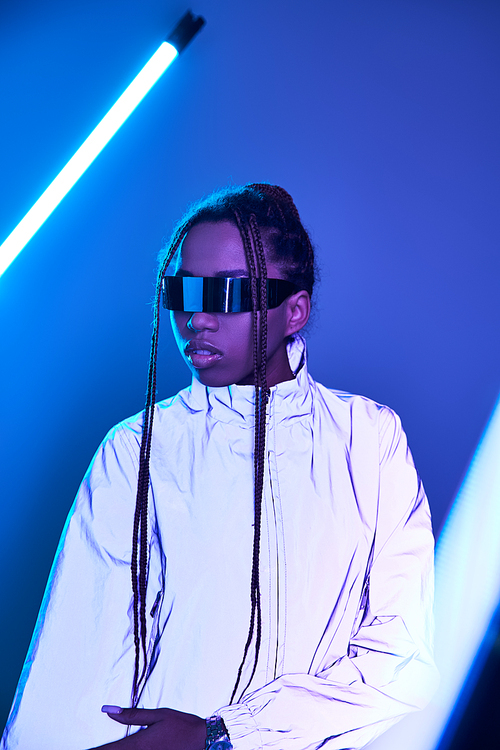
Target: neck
(278, 369)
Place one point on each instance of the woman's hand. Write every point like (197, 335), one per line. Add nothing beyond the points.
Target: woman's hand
(166, 729)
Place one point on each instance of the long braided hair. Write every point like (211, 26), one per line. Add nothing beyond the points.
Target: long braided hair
(264, 214)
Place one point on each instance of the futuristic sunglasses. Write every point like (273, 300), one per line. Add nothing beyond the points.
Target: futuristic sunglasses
(219, 295)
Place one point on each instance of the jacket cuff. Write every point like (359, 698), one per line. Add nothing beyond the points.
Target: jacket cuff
(241, 726)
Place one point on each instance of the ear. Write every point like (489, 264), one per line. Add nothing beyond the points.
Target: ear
(298, 309)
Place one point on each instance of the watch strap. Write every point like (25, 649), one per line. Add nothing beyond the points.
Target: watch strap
(217, 734)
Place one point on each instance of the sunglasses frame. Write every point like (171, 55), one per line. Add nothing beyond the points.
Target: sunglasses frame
(216, 294)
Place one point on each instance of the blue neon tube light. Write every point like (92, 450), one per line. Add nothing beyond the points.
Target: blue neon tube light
(99, 137)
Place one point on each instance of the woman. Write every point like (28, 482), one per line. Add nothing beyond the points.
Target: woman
(277, 533)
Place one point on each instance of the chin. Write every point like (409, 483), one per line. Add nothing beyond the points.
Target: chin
(219, 380)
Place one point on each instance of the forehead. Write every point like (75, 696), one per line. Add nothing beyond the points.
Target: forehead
(210, 248)
(216, 249)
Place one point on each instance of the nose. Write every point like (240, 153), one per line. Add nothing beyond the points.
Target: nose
(203, 321)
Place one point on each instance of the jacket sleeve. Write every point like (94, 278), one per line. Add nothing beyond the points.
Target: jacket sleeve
(388, 669)
(82, 652)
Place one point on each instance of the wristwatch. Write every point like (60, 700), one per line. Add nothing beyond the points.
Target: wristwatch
(217, 736)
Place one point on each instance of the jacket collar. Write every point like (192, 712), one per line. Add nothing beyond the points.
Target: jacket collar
(234, 404)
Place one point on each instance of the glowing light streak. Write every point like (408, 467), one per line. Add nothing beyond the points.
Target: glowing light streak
(83, 158)
(467, 592)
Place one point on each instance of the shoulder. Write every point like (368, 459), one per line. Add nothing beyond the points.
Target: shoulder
(376, 446)
(129, 430)
(364, 423)
(355, 411)
(120, 447)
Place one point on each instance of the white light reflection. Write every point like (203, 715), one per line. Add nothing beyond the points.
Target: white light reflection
(467, 592)
(86, 154)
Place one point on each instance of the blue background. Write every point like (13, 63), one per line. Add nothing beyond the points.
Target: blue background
(381, 118)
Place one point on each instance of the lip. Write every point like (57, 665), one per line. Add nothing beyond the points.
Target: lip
(199, 360)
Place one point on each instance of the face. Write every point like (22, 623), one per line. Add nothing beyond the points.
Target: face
(218, 347)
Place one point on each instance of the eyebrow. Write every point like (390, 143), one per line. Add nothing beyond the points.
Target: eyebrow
(232, 273)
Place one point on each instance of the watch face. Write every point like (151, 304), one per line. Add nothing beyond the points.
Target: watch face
(221, 745)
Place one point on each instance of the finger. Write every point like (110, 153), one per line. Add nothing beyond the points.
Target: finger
(135, 716)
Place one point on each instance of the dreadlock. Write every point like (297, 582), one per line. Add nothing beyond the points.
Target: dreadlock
(139, 563)
(258, 273)
(261, 212)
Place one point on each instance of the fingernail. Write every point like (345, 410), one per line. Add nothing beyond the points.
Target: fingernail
(111, 710)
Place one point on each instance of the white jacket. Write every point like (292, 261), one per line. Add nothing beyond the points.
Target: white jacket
(346, 576)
